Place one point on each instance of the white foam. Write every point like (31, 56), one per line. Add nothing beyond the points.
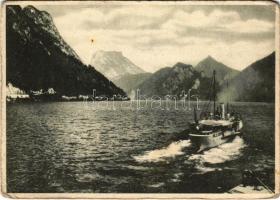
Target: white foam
(225, 152)
(140, 168)
(202, 169)
(177, 177)
(172, 150)
(156, 185)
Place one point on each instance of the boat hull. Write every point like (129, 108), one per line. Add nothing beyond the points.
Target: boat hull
(203, 142)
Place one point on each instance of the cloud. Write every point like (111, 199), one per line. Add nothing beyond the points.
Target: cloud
(155, 36)
(130, 17)
(199, 19)
(217, 22)
(251, 26)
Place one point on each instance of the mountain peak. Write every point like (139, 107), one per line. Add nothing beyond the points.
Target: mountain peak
(209, 64)
(114, 64)
(255, 83)
(182, 65)
(39, 17)
(46, 57)
(29, 22)
(30, 9)
(210, 58)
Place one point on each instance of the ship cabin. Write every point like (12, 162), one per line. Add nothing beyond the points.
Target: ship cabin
(210, 122)
(206, 127)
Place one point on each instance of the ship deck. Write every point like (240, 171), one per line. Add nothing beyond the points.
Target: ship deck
(240, 189)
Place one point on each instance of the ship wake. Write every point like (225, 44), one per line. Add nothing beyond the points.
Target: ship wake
(208, 160)
(158, 155)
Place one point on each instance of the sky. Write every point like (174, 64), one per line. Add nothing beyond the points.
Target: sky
(153, 35)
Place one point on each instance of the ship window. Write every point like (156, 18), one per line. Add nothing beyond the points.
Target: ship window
(206, 128)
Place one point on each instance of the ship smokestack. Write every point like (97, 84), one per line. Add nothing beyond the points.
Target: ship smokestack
(195, 115)
(223, 110)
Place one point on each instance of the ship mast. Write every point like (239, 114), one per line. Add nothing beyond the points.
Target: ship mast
(214, 92)
(227, 100)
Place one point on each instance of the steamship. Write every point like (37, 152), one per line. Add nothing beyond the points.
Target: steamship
(214, 128)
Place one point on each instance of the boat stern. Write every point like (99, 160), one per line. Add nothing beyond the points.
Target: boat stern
(200, 142)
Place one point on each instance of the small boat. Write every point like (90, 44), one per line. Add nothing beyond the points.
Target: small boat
(252, 182)
(216, 127)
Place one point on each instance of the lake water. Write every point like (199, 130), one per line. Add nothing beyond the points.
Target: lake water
(79, 147)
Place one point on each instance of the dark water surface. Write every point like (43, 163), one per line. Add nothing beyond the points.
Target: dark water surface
(77, 147)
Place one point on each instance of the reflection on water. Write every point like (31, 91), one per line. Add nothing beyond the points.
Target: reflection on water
(76, 147)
